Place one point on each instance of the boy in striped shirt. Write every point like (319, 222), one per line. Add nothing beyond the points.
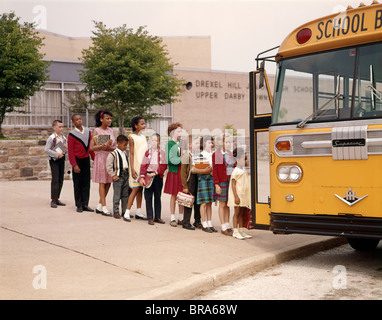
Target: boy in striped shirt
(117, 165)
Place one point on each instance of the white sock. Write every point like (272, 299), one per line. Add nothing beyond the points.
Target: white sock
(204, 224)
(172, 217)
(104, 209)
(209, 223)
(181, 216)
(224, 227)
(99, 207)
(227, 225)
(127, 214)
(139, 212)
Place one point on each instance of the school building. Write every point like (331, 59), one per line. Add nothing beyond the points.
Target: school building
(210, 100)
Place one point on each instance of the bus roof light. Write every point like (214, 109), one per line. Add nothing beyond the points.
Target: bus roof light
(304, 35)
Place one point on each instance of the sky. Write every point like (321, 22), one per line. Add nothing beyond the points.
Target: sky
(239, 29)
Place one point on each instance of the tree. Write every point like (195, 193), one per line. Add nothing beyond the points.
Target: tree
(22, 71)
(128, 72)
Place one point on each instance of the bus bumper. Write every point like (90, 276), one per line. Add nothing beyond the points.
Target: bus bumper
(348, 226)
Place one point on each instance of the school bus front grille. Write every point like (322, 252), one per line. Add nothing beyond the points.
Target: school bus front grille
(342, 143)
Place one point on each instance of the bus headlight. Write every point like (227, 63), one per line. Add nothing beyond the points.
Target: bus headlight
(292, 173)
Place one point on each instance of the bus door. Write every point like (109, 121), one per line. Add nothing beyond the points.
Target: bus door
(260, 120)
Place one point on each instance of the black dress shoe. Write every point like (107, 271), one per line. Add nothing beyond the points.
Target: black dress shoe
(197, 225)
(59, 203)
(87, 208)
(140, 217)
(79, 209)
(213, 229)
(188, 226)
(53, 204)
(208, 230)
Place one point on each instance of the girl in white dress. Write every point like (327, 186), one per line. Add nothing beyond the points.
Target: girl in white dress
(239, 194)
(137, 149)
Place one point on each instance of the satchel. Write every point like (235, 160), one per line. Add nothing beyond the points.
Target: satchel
(248, 219)
(148, 181)
(185, 199)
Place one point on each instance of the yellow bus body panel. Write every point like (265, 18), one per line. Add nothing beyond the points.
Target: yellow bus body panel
(323, 178)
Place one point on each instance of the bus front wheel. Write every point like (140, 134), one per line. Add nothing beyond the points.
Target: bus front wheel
(363, 244)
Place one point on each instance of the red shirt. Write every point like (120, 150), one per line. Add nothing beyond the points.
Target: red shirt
(219, 167)
(147, 159)
(78, 147)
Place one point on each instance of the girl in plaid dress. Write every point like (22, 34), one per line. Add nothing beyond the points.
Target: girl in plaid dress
(205, 195)
(222, 160)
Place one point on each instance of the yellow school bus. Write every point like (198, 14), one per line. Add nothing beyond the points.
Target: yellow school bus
(316, 139)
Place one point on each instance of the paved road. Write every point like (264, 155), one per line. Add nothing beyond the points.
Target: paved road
(59, 254)
(339, 273)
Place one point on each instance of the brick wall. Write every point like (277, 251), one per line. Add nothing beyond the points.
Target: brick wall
(24, 160)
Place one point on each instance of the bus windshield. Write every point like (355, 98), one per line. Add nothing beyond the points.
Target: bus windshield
(344, 84)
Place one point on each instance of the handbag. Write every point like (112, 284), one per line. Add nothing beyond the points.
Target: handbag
(185, 199)
(248, 219)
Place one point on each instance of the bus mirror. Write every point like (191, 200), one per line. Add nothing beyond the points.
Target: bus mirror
(372, 87)
(261, 80)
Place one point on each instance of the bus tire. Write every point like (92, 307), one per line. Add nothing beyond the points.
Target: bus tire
(363, 244)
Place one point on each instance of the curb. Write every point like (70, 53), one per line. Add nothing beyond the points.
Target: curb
(196, 285)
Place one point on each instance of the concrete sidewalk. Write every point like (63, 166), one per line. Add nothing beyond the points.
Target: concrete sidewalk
(58, 253)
